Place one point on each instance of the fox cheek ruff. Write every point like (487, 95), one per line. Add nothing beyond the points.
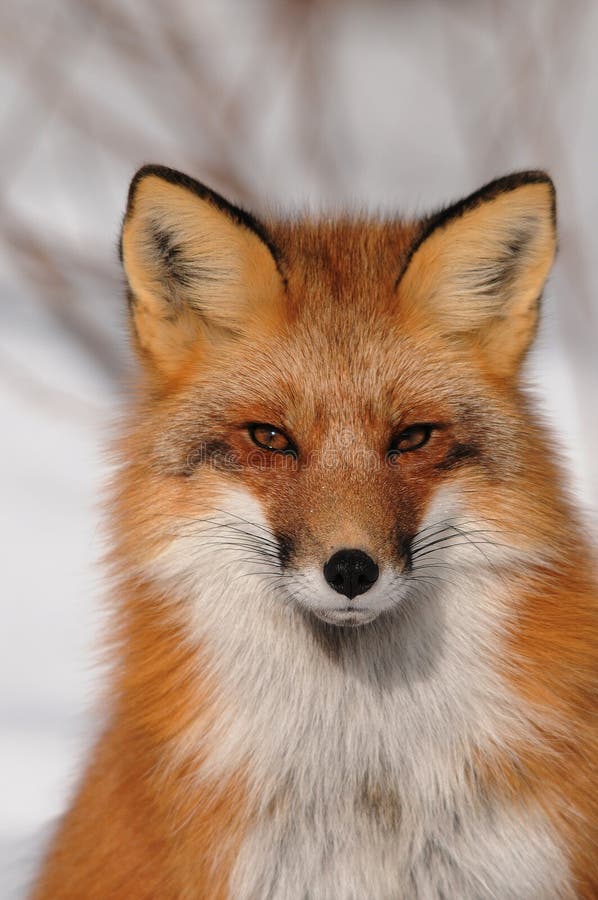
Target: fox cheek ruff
(354, 631)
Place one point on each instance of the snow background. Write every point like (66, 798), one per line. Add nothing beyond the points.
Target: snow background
(387, 105)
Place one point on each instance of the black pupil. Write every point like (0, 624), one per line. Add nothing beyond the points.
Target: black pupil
(412, 438)
(412, 435)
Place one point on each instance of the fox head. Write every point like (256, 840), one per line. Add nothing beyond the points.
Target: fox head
(332, 409)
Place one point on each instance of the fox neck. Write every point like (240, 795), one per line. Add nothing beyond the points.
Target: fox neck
(357, 735)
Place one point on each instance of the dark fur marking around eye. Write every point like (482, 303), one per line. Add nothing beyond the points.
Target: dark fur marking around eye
(214, 452)
(458, 454)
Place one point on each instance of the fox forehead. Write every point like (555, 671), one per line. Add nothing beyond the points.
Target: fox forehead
(340, 260)
(338, 345)
(305, 377)
(329, 397)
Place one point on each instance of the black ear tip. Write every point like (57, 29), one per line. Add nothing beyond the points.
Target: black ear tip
(528, 176)
(512, 182)
(516, 180)
(493, 189)
(179, 179)
(531, 176)
(146, 170)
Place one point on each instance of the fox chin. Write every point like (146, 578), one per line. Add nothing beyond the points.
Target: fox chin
(354, 631)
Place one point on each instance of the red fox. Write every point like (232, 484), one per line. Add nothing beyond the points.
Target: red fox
(355, 642)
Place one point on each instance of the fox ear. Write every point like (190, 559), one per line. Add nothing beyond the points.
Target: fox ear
(479, 267)
(196, 265)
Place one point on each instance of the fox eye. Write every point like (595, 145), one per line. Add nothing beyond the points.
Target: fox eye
(411, 438)
(270, 438)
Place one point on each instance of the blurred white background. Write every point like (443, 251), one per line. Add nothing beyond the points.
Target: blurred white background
(399, 106)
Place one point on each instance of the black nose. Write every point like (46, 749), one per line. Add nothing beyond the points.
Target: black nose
(351, 572)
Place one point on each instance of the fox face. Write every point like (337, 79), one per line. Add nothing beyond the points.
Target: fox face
(337, 399)
(355, 614)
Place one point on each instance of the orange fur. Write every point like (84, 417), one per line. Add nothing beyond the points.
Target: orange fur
(144, 825)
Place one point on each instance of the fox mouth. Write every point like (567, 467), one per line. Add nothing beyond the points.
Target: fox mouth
(345, 616)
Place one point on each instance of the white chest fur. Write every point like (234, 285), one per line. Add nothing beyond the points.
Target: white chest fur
(364, 783)
(359, 752)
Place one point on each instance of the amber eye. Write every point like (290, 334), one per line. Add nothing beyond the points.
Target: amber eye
(411, 438)
(270, 438)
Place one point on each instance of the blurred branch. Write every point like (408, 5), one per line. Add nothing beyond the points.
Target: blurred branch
(50, 271)
(51, 399)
